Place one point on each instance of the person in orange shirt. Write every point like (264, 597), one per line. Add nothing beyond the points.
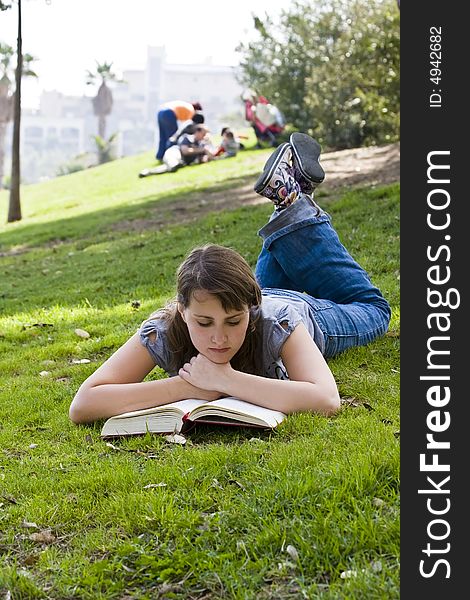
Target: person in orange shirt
(168, 117)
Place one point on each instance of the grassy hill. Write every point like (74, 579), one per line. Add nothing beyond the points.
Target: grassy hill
(309, 510)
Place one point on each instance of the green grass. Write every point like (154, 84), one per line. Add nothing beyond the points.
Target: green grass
(233, 501)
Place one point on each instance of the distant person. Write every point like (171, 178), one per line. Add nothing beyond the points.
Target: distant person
(265, 118)
(168, 117)
(187, 127)
(196, 147)
(189, 149)
(229, 145)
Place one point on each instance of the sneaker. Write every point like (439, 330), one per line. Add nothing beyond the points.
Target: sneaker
(277, 181)
(305, 155)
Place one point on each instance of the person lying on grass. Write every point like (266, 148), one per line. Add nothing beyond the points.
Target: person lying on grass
(263, 337)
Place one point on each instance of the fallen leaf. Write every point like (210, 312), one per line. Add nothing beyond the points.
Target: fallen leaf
(29, 525)
(175, 438)
(376, 566)
(241, 486)
(128, 569)
(154, 485)
(292, 552)
(43, 537)
(350, 401)
(113, 447)
(348, 574)
(82, 333)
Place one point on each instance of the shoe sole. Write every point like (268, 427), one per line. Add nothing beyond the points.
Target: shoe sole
(269, 168)
(306, 152)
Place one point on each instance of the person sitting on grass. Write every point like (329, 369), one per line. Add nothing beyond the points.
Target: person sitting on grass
(190, 149)
(262, 336)
(196, 147)
(229, 145)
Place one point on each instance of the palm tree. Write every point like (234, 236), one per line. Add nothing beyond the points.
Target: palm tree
(7, 96)
(103, 101)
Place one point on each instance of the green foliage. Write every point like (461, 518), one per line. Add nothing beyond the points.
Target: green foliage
(6, 54)
(105, 148)
(5, 183)
(332, 68)
(7, 69)
(103, 73)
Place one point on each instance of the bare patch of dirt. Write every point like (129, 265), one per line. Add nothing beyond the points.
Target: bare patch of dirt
(375, 165)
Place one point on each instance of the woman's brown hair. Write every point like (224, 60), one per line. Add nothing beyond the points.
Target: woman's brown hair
(226, 274)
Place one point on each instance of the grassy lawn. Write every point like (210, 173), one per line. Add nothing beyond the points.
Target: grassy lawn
(310, 510)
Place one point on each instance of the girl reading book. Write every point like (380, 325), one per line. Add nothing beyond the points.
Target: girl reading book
(263, 337)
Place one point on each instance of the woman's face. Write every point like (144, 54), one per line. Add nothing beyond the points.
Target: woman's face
(215, 333)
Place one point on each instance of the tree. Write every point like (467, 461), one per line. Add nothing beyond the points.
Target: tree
(7, 95)
(332, 68)
(14, 205)
(103, 101)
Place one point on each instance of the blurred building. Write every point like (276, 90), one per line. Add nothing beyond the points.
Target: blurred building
(64, 126)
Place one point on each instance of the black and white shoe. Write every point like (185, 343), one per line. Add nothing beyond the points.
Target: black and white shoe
(277, 181)
(305, 159)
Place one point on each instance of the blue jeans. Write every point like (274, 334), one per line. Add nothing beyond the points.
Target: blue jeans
(303, 254)
(167, 126)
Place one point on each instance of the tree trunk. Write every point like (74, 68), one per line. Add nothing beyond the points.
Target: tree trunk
(3, 131)
(102, 126)
(14, 208)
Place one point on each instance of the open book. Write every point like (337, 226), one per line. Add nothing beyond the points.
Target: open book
(183, 415)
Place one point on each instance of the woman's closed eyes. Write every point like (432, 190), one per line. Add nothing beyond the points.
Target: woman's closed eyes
(232, 323)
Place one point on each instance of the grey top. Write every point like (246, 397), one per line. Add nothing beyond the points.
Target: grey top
(280, 315)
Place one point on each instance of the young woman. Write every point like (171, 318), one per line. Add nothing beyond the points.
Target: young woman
(261, 337)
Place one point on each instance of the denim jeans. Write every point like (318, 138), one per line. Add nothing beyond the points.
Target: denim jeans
(167, 126)
(302, 256)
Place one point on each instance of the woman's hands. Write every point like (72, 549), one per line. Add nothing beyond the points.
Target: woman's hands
(207, 395)
(203, 373)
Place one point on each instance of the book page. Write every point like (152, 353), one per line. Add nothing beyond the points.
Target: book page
(251, 413)
(182, 407)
